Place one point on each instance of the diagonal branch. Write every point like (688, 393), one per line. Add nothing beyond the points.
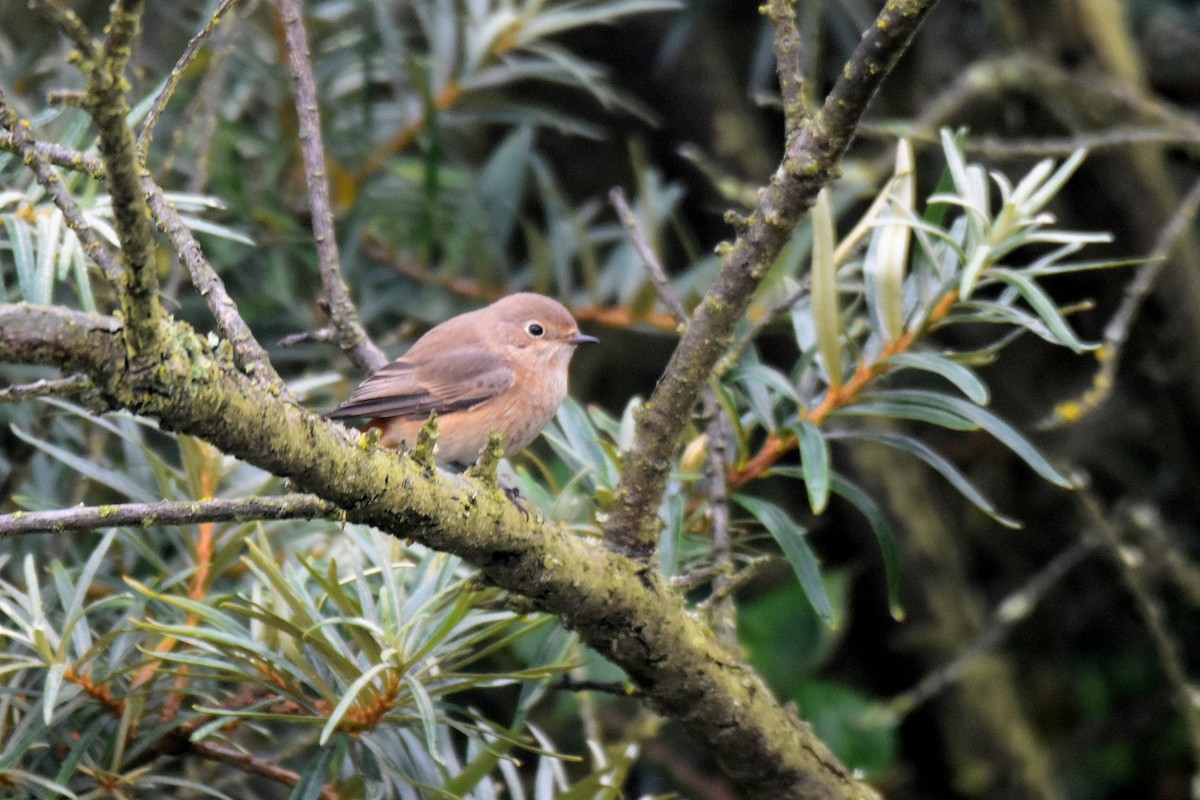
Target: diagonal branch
(342, 314)
(628, 613)
(185, 60)
(810, 163)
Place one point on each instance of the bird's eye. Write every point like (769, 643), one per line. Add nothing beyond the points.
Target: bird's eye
(535, 330)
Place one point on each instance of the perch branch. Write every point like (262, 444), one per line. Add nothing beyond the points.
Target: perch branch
(628, 613)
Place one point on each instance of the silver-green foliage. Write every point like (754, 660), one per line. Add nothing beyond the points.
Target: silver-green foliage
(863, 332)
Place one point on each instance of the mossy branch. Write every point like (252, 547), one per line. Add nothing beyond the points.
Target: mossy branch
(628, 613)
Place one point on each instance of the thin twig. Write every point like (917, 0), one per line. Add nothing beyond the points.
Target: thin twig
(1154, 616)
(51, 153)
(731, 357)
(253, 765)
(654, 267)
(1116, 332)
(352, 337)
(1013, 609)
(1163, 547)
(38, 160)
(173, 512)
(326, 334)
(246, 349)
(570, 684)
(185, 60)
(249, 353)
(724, 611)
(49, 387)
(71, 26)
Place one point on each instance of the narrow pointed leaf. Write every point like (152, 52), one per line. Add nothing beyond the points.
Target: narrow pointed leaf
(1043, 305)
(883, 533)
(348, 699)
(791, 539)
(936, 460)
(887, 404)
(815, 462)
(962, 377)
(997, 427)
(826, 312)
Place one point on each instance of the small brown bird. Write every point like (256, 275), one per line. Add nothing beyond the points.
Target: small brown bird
(502, 368)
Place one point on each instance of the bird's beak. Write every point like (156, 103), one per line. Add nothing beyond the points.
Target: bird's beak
(581, 338)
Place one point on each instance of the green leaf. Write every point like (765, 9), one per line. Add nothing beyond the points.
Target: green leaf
(54, 682)
(886, 404)
(791, 539)
(20, 242)
(1044, 306)
(113, 479)
(883, 533)
(997, 427)
(313, 778)
(826, 312)
(962, 377)
(815, 461)
(429, 721)
(347, 702)
(934, 459)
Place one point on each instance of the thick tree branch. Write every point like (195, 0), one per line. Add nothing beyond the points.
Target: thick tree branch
(628, 613)
(178, 512)
(810, 163)
(342, 314)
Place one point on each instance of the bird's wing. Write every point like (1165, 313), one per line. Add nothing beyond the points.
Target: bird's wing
(457, 379)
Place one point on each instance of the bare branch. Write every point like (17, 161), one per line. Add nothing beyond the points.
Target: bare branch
(1129, 566)
(43, 388)
(51, 153)
(71, 26)
(249, 353)
(246, 348)
(39, 161)
(253, 765)
(1011, 610)
(180, 512)
(654, 267)
(106, 101)
(189, 55)
(351, 337)
(810, 161)
(723, 610)
(1116, 332)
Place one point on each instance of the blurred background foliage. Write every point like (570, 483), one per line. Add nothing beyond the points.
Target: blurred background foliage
(471, 147)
